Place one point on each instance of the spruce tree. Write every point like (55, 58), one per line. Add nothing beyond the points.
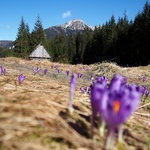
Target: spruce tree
(79, 48)
(141, 36)
(38, 34)
(22, 42)
(71, 49)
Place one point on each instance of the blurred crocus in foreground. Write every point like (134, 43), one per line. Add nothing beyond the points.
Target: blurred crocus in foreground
(72, 90)
(117, 104)
(21, 78)
(97, 90)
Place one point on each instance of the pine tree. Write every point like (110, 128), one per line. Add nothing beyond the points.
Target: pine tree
(71, 49)
(87, 37)
(111, 40)
(38, 34)
(141, 36)
(123, 40)
(58, 48)
(79, 48)
(22, 42)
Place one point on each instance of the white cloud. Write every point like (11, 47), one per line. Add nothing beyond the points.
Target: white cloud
(66, 14)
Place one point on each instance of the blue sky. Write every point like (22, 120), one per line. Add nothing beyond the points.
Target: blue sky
(55, 12)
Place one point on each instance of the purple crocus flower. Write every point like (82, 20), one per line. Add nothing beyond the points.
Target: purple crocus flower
(2, 70)
(67, 72)
(79, 75)
(82, 90)
(96, 93)
(45, 71)
(92, 75)
(144, 91)
(87, 89)
(21, 78)
(56, 67)
(52, 66)
(117, 104)
(143, 78)
(72, 90)
(102, 80)
(97, 90)
(116, 83)
(125, 79)
(36, 70)
(58, 71)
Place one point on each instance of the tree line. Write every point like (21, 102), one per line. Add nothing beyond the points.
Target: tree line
(125, 42)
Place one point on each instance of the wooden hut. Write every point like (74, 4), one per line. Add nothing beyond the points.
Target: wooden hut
(39, 53)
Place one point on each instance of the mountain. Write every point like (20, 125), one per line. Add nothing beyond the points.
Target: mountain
(6, 43)
(72, 27)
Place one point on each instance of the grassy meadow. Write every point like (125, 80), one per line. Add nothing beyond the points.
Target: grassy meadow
(34, 115)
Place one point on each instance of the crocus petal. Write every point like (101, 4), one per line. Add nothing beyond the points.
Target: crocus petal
(115, 83)
(95, 96)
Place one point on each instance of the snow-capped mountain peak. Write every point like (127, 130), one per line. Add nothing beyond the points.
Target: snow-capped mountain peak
(76, 24)
(72, 27)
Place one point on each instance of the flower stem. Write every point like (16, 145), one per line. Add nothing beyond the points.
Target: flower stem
(120, 133)
(109, 139)
(102, 128)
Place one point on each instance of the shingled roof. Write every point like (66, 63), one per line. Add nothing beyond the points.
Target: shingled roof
(39, 53)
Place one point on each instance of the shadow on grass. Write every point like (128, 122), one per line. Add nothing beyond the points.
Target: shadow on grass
(78, 124)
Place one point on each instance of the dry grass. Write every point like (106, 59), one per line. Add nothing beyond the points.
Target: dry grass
(34, 116)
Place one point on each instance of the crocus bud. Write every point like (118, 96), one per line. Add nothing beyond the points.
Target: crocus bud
(45, 71)
(67, 72)
(2, 70)
(72, 90)
(21, 78)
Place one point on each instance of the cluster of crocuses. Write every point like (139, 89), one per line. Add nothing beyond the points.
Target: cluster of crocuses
(57, 68)
(36, 70)
(84, 90)
(145, 91)
(114, 102)
(2, 70)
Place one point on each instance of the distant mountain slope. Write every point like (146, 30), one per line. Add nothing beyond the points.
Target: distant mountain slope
(5, 43)
(71, 27)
